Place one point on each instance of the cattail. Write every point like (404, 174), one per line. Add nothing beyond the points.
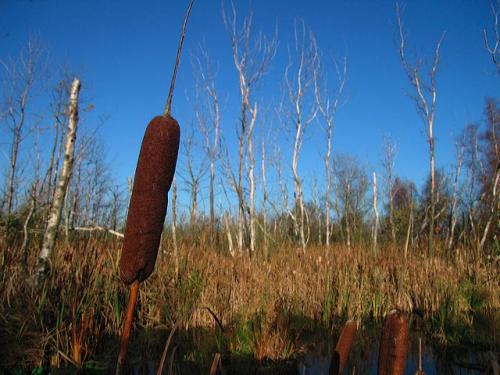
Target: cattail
(393, 345)
(148, 204)
(343, 348)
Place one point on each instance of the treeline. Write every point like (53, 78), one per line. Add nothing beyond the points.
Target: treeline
(254, 203)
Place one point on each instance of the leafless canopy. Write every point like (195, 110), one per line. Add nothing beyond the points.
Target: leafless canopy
(425, 89)
(252, 55)
(492, 45)
(18, 77)
(425, 100)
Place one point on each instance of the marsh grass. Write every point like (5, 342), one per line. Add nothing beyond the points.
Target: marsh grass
(266, 307)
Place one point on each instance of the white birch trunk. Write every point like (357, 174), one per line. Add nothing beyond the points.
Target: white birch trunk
(54, 219)
(264, 199)
(375, 211)
(251, 171)
(241, 212)
(494, 208)
(410, 225)
(453, 215)
(298, 201)
(328, 186)
(229, 236)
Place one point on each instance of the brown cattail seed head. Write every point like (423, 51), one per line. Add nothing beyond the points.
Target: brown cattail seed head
(148, 204)
(344, 344)
(393, 345)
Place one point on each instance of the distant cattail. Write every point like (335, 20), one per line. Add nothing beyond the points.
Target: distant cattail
(343, 348)
(393, 345)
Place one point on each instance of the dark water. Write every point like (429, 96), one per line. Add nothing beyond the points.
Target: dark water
(315, 360)
(317, 363)
(467, 351)
(454, 361)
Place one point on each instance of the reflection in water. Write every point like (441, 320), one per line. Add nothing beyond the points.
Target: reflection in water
(317, 362)
(313, 353)
(393, 350)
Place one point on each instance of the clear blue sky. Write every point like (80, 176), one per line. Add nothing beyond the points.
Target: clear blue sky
(124, 52)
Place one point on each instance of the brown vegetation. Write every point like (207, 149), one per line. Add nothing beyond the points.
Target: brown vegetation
(262, 300)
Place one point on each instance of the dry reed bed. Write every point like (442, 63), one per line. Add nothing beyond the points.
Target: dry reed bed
(84, 299)
(353, 282)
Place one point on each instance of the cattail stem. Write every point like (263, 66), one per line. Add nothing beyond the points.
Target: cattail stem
(177, 60)
(127, 326)
(420, 354)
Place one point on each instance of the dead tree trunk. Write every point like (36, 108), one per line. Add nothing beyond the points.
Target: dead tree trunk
(410, 224)
(493, 47)
(264, 199)
(390, 150)
(251, 64)
(49, 239)
(425, 99)
(210, 131)
(228, 233)
(26, 237)
(328, 110)
(375, 211)
(495, 203)
(297, 84)
(453, 207)
(20, 77)
(251, 176)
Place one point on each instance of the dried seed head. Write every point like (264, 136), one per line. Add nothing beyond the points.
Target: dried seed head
(148, 204)
(393, 345)
(344, 344)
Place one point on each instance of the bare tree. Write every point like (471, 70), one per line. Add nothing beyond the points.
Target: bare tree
(282, 205)
(251, 62)
(375, 211)
(49, 238)
(33, 198)
(409, 227)
(225, 216)
(493, 47)
(77, 213)
(494, 208)
(390, 151)
(264, 196)
(58, 106)
(209, 127)
(19, 77)
(460, 150)
(234, 182)
(96, 183)
(298, 80)
(425, 100)
(474, 173)
(251, 176)
(116, 207)
(352, 184)
(193, 174)
(490, 186)
(328, 104)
